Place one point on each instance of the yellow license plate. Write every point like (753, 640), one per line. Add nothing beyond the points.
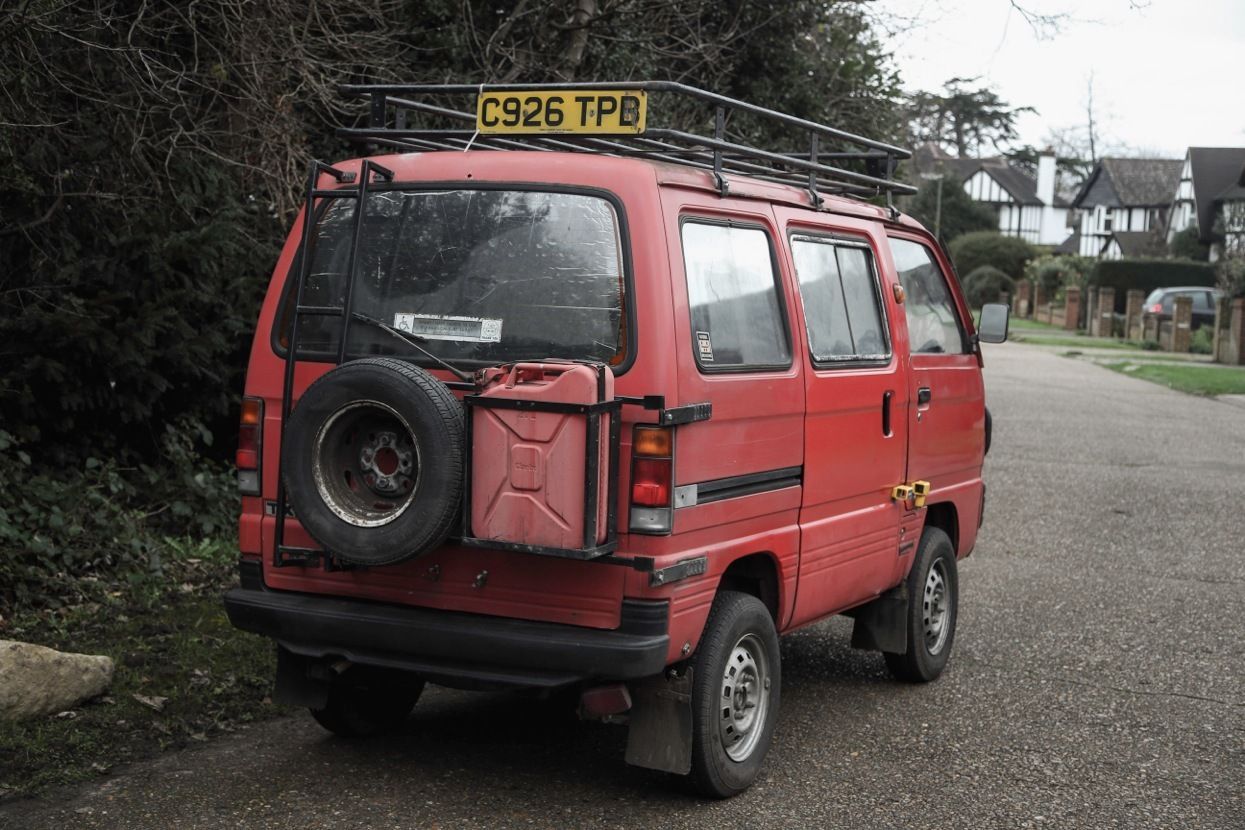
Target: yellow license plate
(597, 111)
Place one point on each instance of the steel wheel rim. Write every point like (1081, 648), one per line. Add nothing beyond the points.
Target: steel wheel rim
(743, 702)
(366, 464)
(936, 608)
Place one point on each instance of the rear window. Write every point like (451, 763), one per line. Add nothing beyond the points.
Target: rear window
(486, 276)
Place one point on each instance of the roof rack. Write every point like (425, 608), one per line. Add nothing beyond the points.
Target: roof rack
(819, 168)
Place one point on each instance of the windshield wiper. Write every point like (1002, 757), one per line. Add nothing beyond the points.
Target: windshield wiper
(413, 340)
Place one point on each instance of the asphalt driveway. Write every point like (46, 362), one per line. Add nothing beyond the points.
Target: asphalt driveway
(1098, 678)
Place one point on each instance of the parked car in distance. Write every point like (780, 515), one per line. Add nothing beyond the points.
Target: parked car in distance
(607, 416)
(1162, 301)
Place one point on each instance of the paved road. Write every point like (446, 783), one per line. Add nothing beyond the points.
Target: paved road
(1098, 678)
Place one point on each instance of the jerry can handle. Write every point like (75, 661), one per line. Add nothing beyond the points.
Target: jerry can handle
(534, 371)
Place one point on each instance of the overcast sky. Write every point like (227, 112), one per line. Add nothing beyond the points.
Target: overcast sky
(1167, 76)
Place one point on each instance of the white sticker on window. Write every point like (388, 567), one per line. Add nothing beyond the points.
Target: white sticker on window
(705, 345)
(447, 327)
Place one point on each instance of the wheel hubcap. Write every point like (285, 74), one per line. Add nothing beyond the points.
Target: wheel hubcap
(366, 464)
(744, 700)
(935, 605)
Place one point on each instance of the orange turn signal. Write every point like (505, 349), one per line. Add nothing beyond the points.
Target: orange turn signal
(252, 411)
(653, 442)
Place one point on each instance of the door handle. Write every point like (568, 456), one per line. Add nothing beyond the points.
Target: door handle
(923, 395)
(886, 414)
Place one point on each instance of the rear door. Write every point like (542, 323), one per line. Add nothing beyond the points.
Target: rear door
(855, 432)
(738, 473)
(947, 417)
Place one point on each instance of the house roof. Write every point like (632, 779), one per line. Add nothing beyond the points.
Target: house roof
(1071, 245)
(1019, 184)
(1136, 243)
(1117, 182)
(1216, 171)
(1234, 192)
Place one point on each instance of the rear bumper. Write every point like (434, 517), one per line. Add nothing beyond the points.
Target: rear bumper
(454, 647)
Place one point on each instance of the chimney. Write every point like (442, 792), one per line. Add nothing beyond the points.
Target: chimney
(1046, 177)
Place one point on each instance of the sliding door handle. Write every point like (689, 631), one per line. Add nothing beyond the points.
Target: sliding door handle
(923, 395)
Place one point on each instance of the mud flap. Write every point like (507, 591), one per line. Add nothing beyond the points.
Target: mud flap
(300, 682)
(882, 625)
(659, 734)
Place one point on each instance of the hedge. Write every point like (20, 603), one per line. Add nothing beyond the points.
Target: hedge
(1007, 253)
(984, 284)
(1147, 275)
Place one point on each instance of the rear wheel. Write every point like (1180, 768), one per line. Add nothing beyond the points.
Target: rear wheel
(933, 607)
(735, 695)
(366, 701)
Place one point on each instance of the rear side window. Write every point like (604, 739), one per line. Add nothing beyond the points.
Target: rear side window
(732, 287)
(1202, 301)
(933, 324)
(842, 307)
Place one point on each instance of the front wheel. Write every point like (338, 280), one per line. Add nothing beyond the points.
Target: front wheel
(365, 701)
(735, 694)
(933, 607)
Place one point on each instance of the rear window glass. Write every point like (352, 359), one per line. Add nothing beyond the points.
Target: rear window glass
(732, 285)
(841, 306)
(486, 276)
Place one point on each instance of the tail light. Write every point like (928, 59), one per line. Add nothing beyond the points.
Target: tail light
(1156, 308)
(652, 479)
(250, 444)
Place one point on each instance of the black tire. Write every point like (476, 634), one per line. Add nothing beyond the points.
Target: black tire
(335, 441)
(736, 620)
(926, 657)
(365, 701)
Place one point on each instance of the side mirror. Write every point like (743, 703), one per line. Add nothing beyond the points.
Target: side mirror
(992, 327)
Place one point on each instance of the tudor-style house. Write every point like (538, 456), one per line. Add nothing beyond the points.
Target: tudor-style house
(1210, 197)
(1027, 207)
(1124, 205)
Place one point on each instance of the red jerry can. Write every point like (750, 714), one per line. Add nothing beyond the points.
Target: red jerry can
(536, 497)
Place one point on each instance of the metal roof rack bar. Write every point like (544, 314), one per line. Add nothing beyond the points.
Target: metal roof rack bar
(817, 170)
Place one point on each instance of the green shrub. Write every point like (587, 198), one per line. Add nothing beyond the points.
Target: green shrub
(1203, 340)
(1150, 345)
(1006, 253)
(959, 213)
(1186, 245)
(1054, 273)
(984, 284)
(1231, 277)
(67, 530)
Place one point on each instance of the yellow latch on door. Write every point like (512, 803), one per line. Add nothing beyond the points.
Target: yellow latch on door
(901, 492)
(920, 489)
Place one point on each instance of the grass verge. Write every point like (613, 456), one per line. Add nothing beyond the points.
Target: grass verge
(183, 675)
(1196, 380)
(1073, 341)
(1021, 324)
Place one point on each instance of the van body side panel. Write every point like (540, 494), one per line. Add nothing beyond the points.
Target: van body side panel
(848, 522)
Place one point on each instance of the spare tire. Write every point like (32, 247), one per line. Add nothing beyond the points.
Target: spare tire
(373, 461)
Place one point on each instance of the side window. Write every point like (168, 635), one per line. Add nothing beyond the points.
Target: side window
(732, 287)
(933, 324)
(841, 304)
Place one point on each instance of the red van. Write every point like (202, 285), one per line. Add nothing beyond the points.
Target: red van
(558, 399)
